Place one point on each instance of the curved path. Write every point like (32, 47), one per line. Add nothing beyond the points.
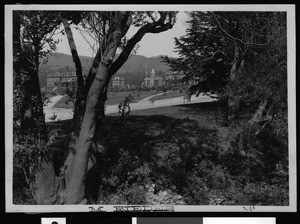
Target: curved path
(149, 97)
(60, 113)
(63, 114)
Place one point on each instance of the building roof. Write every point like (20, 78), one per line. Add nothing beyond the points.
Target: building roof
(118, 78)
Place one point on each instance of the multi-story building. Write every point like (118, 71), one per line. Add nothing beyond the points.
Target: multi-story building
(118, 82)
(173, 79)
(57, 78)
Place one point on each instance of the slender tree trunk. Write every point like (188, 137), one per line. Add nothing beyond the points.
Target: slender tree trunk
(79, 103)
(236, 69)
(33, 103)
(18, 83)
(81, 99)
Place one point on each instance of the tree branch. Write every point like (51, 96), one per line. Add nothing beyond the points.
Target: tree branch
(74, 52)
(224, 31)
(156, 27)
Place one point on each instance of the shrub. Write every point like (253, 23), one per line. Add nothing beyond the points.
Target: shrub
(135, 194)
(29, 152)
(196, 191)
(124, 107)
(265, 194)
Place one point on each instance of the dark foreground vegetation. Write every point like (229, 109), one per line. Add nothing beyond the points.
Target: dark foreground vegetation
(232, 153)
(175, 155)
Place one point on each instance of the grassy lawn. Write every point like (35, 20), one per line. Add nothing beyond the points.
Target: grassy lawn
(168, 95)
(112, 99)
(173, 155)
(184, 151)
(119, 96)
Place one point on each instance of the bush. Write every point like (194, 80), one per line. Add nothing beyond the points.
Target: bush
(196, 192)
(29, 153)
(124, 106)
(259, 163)
(135, 194)
(256, 155)
(265, 194)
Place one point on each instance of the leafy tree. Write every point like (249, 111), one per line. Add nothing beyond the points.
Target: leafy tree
(35, 30)
(108, 29)
(32, 37)
(220, 46)
(203, 55)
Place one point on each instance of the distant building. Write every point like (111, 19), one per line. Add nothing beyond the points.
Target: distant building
(173, 79)
(57, 78)
(118, 82)
(153, 80)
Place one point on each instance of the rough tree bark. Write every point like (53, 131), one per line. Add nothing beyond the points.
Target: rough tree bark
(236, 69)
(238, 61)
(261, 117)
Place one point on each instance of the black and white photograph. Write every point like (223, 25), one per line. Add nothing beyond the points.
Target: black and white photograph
(150, 108)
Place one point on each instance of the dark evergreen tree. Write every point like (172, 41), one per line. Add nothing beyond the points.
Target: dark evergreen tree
(220, 49)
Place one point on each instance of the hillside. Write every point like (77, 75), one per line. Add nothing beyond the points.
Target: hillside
(136, 63)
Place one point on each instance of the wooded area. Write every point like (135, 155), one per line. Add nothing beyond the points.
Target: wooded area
(233, 150)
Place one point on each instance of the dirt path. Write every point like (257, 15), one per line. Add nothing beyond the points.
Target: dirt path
(57, 113)
(149, 97)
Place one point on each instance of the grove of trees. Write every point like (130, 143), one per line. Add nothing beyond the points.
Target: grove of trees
(238, 57)
(35, 28)
(241, 59)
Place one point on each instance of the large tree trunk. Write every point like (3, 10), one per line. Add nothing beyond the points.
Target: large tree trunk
(76, 185)
(94, 97)
(80, 102)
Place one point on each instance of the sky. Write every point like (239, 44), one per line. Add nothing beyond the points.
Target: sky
(150, 45)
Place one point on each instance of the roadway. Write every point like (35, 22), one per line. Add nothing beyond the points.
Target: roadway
(146, 103)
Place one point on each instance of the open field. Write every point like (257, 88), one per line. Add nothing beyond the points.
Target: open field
(177, 155)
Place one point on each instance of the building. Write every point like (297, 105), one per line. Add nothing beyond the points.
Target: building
(153, 80)
(118, 82)
(173, 79)
(57, 78)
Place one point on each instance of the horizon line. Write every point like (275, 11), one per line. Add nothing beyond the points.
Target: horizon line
(116, 54)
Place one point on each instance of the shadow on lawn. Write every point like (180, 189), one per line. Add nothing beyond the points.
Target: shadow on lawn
(144, 150)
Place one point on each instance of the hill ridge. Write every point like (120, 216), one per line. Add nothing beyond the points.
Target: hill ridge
(135, 63)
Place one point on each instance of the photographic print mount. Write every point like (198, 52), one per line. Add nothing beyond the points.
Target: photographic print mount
(162, 117)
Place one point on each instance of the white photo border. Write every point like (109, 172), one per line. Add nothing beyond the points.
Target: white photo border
(291, 60)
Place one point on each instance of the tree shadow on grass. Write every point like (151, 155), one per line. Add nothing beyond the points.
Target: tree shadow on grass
(142, 150)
